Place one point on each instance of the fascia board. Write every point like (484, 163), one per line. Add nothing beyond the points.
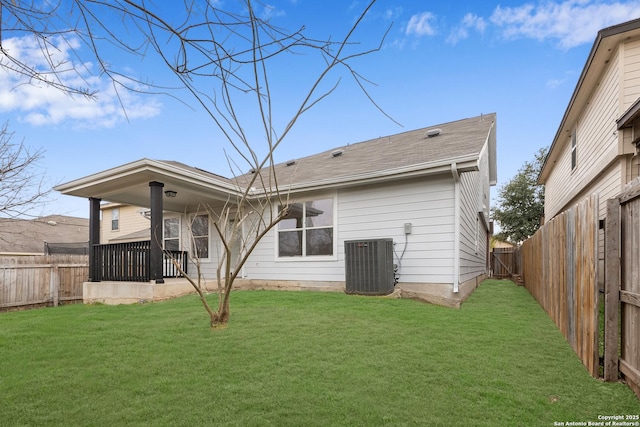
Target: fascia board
(146, 166)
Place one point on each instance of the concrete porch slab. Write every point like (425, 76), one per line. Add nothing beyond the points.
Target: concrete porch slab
(113, 293)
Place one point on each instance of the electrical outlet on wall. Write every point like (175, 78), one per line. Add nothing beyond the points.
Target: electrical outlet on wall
(407, 228)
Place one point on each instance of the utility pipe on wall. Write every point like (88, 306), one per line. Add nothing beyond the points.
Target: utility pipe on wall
(456, 226)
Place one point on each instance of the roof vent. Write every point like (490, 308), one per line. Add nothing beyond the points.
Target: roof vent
(337, 153)
(252, 170)
(433, 132)
(291, 163)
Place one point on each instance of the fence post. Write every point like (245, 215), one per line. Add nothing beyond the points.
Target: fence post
(54, 284)
(612, 289)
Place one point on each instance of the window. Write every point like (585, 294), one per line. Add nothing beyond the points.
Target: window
(171, 234)
(574, 158)
(200, 234)
(307, 230)
(115, 219)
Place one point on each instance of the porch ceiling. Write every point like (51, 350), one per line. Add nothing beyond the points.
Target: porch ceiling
(129, 184)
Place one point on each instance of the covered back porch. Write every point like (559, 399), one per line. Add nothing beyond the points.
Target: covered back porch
(128, 272)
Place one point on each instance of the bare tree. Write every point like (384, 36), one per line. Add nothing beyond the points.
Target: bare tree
(223, 59)
(262, 201)
(22, 182)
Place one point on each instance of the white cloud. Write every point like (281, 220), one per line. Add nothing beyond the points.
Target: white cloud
(469, 22)
(558, 82)
(398, 43)
(570, 22)
(270, 11)
(554, 83)
(40, 104)
(392, 14)
(421, 24)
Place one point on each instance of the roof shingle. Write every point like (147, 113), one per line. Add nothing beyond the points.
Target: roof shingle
(459, 139)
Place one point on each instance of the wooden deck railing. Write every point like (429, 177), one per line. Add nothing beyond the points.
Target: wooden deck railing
(129, 262)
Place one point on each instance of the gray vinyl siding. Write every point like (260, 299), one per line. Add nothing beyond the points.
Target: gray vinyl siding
(378, 211)
(208, 266)
(473, 234)
(382, 211)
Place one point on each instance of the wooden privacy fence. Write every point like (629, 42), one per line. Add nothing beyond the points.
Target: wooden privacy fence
(622, 288)
(41, 279)
(558, 266)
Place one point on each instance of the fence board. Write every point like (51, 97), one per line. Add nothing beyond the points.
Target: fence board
(630, 286)
(611, 289)
(41, 279)
(622, 283)
(558, 266)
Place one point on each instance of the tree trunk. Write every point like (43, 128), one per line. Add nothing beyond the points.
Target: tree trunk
(221, 317)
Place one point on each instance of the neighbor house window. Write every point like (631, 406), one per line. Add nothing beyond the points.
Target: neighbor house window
(171, 234)
(200, 235)
(307, 230)
(574, 158)
(115, 219)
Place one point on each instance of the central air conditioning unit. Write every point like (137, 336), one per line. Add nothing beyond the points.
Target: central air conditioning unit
(369, 267)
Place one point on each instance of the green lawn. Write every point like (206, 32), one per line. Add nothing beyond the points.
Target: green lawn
(299, 358)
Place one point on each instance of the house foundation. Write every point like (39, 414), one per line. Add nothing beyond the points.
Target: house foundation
(135, 292)
(439, 293)
(113, 293)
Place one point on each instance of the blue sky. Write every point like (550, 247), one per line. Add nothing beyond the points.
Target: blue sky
(440, 62)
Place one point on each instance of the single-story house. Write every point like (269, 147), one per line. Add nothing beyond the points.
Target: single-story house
(426, 190)
(595, 149)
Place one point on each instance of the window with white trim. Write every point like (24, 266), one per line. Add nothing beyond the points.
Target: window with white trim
(115, 219)
(307, 230)
(171, 234)
(200, 235)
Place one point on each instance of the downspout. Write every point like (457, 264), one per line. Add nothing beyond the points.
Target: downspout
(456, 227)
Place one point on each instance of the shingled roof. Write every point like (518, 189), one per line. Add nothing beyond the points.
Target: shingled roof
(460, 141)
(29, 235)
(430, 150)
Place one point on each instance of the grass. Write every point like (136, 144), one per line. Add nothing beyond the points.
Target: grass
(298, 358)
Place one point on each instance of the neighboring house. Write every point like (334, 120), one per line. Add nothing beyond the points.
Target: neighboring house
(595, 149)
(31, 236)
(427, 189)
(501, 244)
(124, 223)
